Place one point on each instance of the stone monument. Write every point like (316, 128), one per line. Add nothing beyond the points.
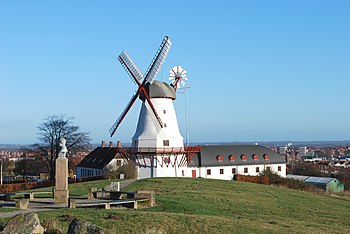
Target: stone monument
(61, 192)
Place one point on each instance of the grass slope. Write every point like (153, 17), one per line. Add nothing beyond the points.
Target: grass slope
(210, 206)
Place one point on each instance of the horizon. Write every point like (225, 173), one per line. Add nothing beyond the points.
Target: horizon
(258, 71)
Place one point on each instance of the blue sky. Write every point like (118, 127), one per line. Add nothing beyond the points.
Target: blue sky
(258, 70)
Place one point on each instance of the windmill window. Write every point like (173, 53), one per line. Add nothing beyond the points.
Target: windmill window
(220, 158)
(165, 142)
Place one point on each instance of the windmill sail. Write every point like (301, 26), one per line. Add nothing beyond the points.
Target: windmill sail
(158, 60)
(123, 114)
(130, 67)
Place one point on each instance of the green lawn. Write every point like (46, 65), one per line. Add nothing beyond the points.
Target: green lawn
(213, 206)
(5, 209)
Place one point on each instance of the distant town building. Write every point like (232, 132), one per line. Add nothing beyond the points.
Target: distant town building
(282, 149)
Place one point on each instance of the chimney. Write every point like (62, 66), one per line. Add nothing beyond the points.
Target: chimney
(103, 144)
(110, 144)
(118, 144)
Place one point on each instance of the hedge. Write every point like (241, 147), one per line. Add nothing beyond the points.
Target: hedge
(253, 179)
(9, 188)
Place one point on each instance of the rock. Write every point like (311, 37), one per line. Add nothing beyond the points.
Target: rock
(24, 224)
(78, 226)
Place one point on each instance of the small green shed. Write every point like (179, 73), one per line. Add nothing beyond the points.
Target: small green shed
(327, 184)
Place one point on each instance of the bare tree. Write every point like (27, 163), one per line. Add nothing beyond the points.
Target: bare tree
(50, 132)
(22, 165)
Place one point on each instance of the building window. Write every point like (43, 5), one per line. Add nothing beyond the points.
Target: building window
(244, 157)
(232, 158)
(221, 171)
(233, 170)
(220, 158)
(165, 125)
(183, 173)
(279, 168)
(208, 172)
(119, 162)
(165, 142)
(255, 157)
(246, 170)
(166, 160)
(164, 111)
(257, 169)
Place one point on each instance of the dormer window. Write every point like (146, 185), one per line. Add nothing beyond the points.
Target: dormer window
(232, 158)
(220, 158)
(244, 157)
(255, 157)
(266, 156)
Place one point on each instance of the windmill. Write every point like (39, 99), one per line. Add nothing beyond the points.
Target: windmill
(157, 124)
(138, 78)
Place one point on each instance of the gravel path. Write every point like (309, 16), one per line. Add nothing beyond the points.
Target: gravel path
(41, 204)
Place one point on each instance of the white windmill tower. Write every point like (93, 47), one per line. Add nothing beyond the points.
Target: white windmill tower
(157, 129)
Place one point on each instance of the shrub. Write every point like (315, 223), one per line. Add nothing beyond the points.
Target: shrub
(275, 179)
(128, 170)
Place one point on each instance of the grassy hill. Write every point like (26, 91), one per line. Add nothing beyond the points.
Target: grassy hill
(211, 206)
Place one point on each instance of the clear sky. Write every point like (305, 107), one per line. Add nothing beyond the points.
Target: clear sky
(258, 70)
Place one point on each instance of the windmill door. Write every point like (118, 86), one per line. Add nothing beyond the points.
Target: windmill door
(194, 174)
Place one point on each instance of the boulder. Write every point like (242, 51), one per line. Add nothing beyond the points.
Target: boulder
(78, 226)
(24, 224)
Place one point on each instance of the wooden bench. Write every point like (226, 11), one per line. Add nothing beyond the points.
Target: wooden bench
(114, 195)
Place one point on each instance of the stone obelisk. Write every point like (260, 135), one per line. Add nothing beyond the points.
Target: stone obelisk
(61, 179)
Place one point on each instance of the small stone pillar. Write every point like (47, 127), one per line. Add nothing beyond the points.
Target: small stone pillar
(91, 193)
(22, 204)
(61, 184)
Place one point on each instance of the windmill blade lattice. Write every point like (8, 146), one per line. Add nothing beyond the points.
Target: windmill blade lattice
(130, 67)
(158, 60)
(178, 76)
